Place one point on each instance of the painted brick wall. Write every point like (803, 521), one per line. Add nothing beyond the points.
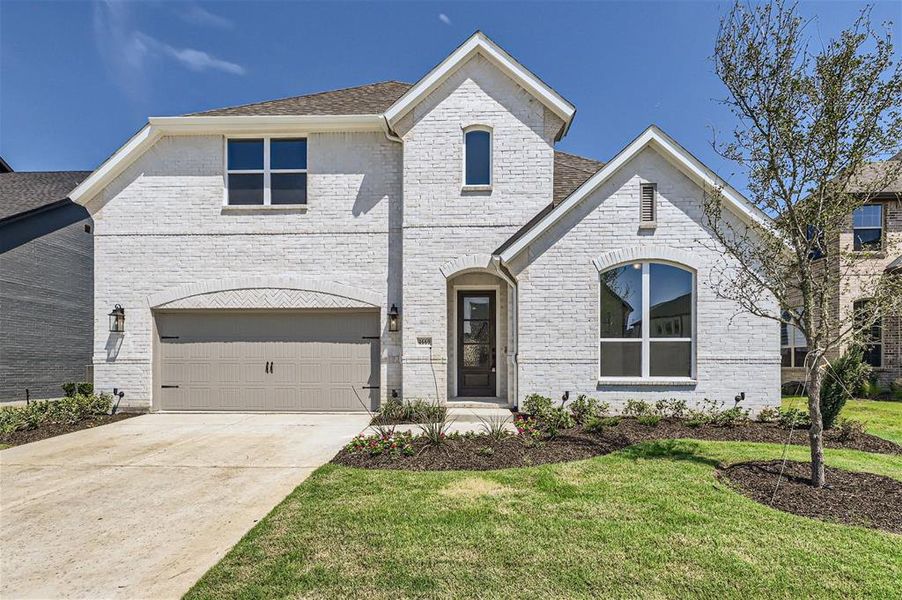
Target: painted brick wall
(46, 275)
(441, 222)
(161, 225)
(559, 296)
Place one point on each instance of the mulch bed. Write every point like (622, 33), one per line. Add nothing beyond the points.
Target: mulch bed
(849, 498)
(481, 453)
(17, 438)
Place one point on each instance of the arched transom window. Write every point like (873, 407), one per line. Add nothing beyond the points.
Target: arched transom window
(646, 322)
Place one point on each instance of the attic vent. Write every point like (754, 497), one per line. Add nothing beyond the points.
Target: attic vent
(647, 203)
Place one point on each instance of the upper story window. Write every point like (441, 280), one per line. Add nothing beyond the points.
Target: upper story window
(793, 345)
(266, 171)
(818, 247)
(647, 311)
(867, 227)
(870, 327)
(477, 156)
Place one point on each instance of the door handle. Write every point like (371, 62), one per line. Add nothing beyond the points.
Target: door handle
(266, 368)
(271, 365)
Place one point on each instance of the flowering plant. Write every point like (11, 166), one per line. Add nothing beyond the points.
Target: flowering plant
(387, 442)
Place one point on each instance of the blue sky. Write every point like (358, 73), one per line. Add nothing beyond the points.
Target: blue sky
(78, 78)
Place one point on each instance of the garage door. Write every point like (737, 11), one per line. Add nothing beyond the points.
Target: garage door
(285, 361)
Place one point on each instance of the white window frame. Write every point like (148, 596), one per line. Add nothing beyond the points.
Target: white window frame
(266, 171)
(646, 340)
(478, 186)
(880, 227)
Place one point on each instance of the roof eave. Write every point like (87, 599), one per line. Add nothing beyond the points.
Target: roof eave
(479, 43)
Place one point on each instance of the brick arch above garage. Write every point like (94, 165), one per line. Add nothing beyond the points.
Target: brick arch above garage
(265, 292)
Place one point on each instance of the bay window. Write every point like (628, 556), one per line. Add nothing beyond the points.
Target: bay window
(646, 322)
(266, 171)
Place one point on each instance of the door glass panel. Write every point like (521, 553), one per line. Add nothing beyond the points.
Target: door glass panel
(476, 355)
(476, 331)
(476, 307)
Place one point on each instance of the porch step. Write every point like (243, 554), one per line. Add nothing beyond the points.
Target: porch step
(477, 413)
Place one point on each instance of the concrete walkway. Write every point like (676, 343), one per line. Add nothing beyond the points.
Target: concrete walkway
(143, 507)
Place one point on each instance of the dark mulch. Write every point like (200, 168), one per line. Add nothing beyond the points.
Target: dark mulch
(480, 453)
(849, 498)
(768, 433)
(17, 438)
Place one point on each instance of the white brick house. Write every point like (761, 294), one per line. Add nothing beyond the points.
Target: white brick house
(425, 241)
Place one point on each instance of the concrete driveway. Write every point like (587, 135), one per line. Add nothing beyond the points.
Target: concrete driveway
(143, 507)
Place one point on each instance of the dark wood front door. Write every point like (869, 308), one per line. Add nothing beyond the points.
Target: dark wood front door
(476, 343)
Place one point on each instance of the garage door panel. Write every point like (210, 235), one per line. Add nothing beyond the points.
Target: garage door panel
(219, 360)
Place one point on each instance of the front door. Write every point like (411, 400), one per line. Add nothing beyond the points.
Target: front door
(476, 343)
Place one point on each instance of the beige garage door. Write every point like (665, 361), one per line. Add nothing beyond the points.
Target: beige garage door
(284, 361)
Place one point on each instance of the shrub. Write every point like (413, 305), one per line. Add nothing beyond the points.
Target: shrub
(495, 426)
(536, 404)
(79, 388)
(416, 411)
(69, 388)
(848, 429)
(844, 375)
(793, 417)
(697, 419)
(599, 423)
(65, 411)
(555, 419)
(869, 389)
(637, 408)
(769, 414)
(649, 420)
(435, 431)
(671, 408)
(731, 417)
(527, 427)
(374, 445)
(585, 407)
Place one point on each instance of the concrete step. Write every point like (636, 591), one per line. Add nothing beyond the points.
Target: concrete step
(476, 414)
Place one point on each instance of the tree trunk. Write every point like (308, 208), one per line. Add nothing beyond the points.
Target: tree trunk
(816, 432)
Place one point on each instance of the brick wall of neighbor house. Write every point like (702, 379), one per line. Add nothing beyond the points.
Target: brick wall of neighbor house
(161, 225)
(442, 223)
(559, 296)
(46, 275)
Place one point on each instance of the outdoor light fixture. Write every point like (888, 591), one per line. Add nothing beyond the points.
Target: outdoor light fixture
(393, 318)
(117, 319)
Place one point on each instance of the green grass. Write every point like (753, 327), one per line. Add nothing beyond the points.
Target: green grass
(882, 419)
(650, 521)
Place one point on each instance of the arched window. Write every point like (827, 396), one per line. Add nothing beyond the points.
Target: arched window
(477, 156)
(647, 312)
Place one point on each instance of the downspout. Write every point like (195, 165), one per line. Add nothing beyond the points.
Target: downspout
(504, 273)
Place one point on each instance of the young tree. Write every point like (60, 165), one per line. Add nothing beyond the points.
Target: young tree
(810, 120)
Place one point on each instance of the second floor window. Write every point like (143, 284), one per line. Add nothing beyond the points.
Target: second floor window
(867, 227)
(266, 171)
(478, 156)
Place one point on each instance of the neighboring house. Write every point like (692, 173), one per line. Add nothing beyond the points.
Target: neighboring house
(46, 284)
(426, 241)
(875, 231)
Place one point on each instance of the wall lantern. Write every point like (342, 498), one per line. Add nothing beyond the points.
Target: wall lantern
(393, 318)
(117, 319)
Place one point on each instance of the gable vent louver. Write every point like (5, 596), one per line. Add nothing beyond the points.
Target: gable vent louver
(647, 202)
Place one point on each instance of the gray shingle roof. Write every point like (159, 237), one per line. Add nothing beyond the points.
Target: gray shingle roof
(570, 172)
(24, 191)
(370, 99)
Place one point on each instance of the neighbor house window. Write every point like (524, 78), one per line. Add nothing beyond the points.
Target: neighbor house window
(478, 156)
(266, 171)
(815, 235)
(793, 345)
(646, 314)
(867, 227)
(870, 329)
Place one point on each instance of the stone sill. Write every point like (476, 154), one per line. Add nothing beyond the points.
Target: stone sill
(476, 188)
(633, 381)
(251, 209)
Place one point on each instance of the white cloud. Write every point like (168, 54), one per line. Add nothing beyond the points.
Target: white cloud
(199, 15)
(195, 60)
(127, 50)
(444, 18)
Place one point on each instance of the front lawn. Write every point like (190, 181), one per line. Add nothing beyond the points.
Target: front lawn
(651, 520)
(880, 418)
